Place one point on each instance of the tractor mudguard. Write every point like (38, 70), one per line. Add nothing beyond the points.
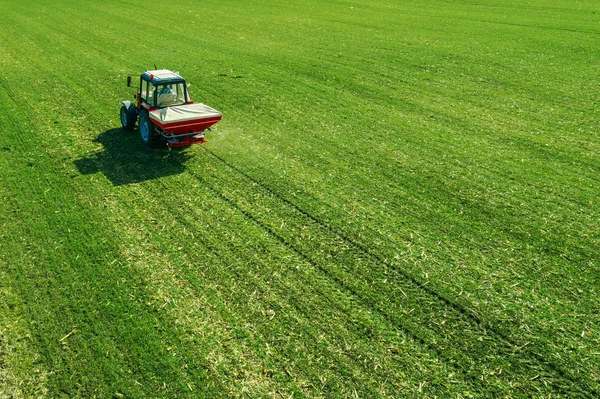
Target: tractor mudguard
(127, 104)
(131, 108)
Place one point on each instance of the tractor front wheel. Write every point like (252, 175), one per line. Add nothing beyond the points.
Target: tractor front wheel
(146, 129)
(128, 116)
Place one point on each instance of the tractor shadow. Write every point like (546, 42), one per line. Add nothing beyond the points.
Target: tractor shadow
(125, 160)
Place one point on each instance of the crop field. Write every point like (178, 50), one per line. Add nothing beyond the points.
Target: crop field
(402, 200)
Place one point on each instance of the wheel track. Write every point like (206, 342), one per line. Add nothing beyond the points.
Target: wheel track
(339, 282)
(571, 385)
(184, 217)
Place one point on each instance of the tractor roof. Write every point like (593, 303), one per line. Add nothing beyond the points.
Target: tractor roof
(162, 76)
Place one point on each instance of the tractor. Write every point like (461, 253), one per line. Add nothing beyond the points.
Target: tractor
(164, 111)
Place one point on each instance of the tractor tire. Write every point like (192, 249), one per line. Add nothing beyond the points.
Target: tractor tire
(128, 117)
(147, 131)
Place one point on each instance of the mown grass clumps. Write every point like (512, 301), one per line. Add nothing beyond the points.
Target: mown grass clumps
(400, 201)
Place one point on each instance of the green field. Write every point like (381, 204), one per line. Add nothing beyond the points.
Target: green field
(402, 200)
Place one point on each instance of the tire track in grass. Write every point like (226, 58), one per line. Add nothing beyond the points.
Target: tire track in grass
(247, 362)
(506, 346)
(178, 215)
(311, 288)
(171, 265)
(188, 220)
(304, 256)
(450, 197)
(169, 198)
(332, 301)
(213, 188)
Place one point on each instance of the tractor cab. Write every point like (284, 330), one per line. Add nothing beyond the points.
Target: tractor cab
(161, 89)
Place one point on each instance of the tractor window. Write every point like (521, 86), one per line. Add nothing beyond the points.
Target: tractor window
(147, 92)
(171, 94)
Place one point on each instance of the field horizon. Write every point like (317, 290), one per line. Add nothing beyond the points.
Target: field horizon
(400, 201)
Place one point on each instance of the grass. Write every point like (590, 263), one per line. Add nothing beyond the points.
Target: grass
(400, 201)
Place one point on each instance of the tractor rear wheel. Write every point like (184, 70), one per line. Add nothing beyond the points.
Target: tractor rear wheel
(146, 129)
(128, 117)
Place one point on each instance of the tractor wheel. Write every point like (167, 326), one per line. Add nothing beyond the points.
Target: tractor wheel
(128, 117)
(146, 129)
